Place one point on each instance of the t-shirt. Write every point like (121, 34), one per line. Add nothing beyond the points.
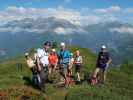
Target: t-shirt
(103, 58)
(78, 60)
(43, 56)
(63, 56)
(52, 59)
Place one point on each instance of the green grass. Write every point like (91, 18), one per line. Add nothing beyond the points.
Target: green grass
(119, 85)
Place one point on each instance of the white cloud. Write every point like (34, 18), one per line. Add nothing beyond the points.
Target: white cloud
(61, 30)
(64, 31)
(123, 30)
(91, 19)
(73, 16)
(83, 17)
(112, 9)
(17, 13)
(129, 10)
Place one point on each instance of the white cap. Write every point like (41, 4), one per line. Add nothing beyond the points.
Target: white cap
(71, 54)
(103, 47)
(26, 54)
(62, 44)
(53, 50)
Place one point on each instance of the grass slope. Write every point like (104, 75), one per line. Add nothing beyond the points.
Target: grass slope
(15, 83)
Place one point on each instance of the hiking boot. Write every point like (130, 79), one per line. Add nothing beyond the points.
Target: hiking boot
(78, 82)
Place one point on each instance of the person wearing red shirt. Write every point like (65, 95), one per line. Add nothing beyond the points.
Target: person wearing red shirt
(53, 60)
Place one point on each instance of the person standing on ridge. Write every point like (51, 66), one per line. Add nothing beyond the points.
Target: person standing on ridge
(78, 62)
(53, 60)
(42, 63)
(63, 60)
(71, 62)
(32, 66)
(102, 64)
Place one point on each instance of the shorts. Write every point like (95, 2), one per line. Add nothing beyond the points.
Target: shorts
(51, 66)
(63, 68)
(77, 68)
(103, 67)
(45, 68)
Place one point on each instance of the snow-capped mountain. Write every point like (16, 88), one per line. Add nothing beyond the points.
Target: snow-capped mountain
(18, 35)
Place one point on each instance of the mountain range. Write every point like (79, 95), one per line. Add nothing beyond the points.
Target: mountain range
(17, 36)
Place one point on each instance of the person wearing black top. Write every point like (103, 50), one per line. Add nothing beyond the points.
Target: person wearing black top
(102, 64)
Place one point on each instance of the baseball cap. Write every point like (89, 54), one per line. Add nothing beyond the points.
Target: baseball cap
(103, 47)
(62, 44)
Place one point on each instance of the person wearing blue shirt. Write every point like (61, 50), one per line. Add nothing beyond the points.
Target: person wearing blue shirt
(64, 57)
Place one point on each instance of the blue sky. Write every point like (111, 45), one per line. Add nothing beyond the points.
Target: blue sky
(74, 4)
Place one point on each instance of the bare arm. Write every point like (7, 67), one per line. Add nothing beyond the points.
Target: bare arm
(109, 61)
(38, 64)
(81, 59)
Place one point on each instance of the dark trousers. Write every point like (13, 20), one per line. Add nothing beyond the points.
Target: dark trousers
(43, 77)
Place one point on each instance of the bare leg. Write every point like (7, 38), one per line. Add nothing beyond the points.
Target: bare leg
(78, 75)
(96, 72)
(104, 76)
(50, 69)
(53, 69)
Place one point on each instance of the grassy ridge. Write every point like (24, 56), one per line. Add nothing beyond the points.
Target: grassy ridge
(15, 82)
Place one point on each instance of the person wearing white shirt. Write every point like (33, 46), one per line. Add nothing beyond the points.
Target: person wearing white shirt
(43, 57)
(42, 63)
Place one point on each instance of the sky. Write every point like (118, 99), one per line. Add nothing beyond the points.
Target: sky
(82, 12)
(75, 4)
(78, 12)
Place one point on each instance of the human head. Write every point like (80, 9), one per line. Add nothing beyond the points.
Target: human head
(71, 55)
(26, 55)
(77, 53)
(46, 45)
(62, 45)
(103, 48)
(53, 51)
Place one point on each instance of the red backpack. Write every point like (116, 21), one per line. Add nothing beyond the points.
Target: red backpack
(93, 81)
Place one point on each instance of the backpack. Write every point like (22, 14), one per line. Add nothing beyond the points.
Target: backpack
(93, 81)
(90, 79)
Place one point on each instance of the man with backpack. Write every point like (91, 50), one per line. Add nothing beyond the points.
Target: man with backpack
(42, 63)
(102, 64)
(63, 61)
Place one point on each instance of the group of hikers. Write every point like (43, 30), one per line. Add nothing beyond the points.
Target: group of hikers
(47, 60)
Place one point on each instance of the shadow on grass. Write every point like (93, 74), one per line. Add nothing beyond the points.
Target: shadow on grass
(28, 82)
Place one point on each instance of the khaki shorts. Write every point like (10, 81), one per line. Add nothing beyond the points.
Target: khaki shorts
(100, 70)
(64, 68)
